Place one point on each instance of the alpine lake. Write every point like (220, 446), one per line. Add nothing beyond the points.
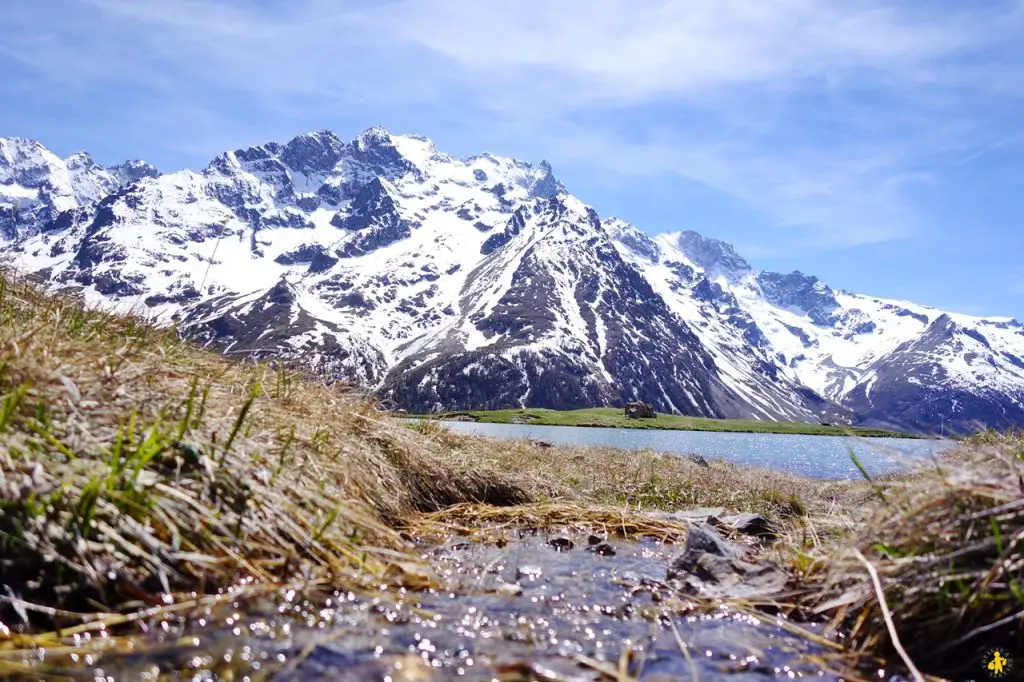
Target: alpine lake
(813, 456)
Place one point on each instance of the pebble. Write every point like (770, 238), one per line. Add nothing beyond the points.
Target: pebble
(510, 590)
(752, 524)
(603, 548)
(561, 544)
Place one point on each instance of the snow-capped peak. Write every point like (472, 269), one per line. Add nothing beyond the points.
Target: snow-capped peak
(133, 170)
(448, 282)
(36, 185)
(315, 152)
(80, 161)
(374, 135)
(632, 238)
(26, 162)
(714, 256)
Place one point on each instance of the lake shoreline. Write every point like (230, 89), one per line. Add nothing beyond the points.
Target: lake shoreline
(815, 457)
(614, 418)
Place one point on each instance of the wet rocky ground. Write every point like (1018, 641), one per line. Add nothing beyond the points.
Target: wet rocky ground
(525, 605)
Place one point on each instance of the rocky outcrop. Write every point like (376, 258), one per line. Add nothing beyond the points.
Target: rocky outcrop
(638, 410)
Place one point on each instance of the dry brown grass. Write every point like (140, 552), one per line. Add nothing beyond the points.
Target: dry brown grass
(947, 545)
(135, 469)
(488, 520)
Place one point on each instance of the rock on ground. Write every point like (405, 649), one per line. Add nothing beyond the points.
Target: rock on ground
(710, 565)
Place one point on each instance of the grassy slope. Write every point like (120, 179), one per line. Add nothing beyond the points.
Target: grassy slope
(613, 417)
(132, 465)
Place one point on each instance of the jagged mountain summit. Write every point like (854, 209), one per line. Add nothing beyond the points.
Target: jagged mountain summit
(446, 283)
(37, 186)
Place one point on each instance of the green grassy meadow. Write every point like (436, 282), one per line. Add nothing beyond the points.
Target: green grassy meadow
(609, 417)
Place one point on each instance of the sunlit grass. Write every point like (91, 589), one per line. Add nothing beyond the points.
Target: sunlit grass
(612, 417)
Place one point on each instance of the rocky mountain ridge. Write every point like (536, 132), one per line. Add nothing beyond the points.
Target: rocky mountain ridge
(454, 283)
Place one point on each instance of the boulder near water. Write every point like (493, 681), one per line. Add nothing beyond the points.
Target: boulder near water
(639, 410)
(711, 565)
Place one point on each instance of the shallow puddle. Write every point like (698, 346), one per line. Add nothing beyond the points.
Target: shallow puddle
(518, 609)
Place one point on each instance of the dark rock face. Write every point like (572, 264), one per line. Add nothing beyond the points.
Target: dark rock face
(285, 219)
(187, 294)
(112, 283)
(377, 152)
(644, 246)
(481, 380)
(321, 262)
(374, 217)
(802, 335)
(663, 346)
(711, 254)
(67, 220)
(332, 195)
(372, 202)
(635, 240)
(903, 312)
(547, 187)
(97, 247)
(274, 326)
(800, 291)
(314, 153)
(520, 313)
(303, 254)
(708, 291)
(513, 228)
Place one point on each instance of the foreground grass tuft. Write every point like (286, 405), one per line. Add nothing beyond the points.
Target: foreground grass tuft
(947, 545)
(136, 471)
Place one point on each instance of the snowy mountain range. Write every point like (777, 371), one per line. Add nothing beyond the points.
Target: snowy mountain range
(446, 283)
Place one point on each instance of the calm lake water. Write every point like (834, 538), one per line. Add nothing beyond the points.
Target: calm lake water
(824, 457)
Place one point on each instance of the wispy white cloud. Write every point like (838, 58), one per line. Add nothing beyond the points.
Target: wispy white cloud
(1007, 141)
(774, 102)
(616, 53)
(828, 200)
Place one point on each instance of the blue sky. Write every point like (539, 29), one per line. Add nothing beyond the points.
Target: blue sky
(878, 145)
